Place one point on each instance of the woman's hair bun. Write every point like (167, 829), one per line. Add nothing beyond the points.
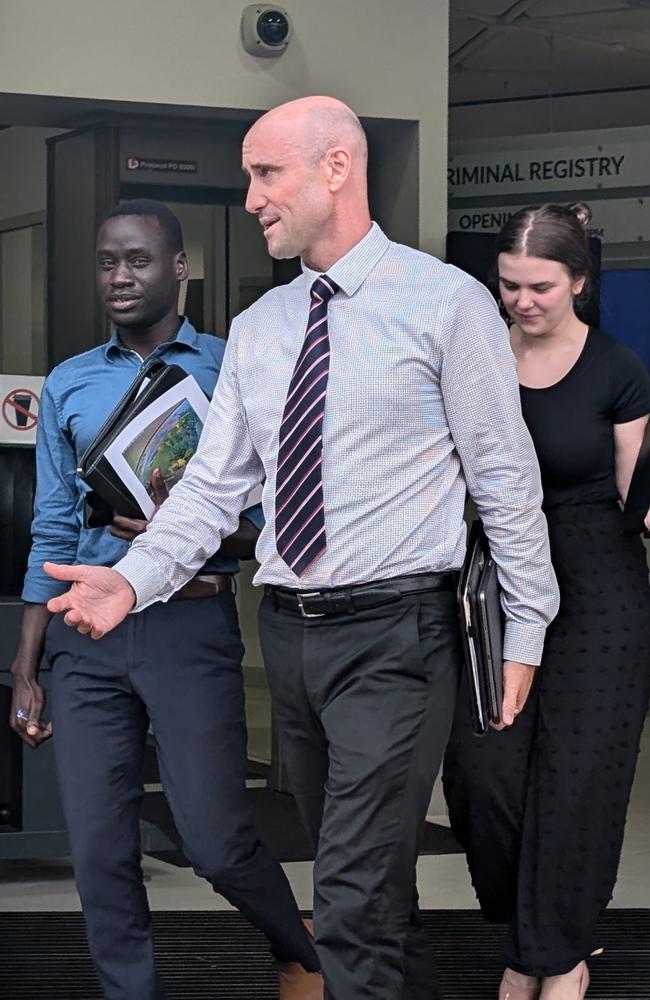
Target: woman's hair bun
(581, 211)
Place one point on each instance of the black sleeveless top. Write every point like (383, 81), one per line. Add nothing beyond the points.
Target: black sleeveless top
(572, 422)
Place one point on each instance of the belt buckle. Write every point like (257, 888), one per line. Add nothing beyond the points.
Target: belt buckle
(309, 614)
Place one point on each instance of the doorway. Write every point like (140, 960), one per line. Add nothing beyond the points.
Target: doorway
(229, 264)
(195, 168)
(229, 269)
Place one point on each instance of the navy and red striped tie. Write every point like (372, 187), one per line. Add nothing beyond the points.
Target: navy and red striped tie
(299, 514)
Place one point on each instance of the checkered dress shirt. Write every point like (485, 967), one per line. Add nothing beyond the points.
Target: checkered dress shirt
(422, 405)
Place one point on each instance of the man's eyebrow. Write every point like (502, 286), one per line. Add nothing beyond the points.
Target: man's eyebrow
(129, 250)
(259, 166)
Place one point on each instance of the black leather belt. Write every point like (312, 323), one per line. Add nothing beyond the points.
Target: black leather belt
(361, 597)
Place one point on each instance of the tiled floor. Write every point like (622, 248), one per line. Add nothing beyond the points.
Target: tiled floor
(443, 880)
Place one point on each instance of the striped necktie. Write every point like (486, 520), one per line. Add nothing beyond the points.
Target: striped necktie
(299, 515)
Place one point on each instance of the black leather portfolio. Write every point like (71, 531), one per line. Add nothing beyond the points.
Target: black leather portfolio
(109, 493)
(638, 495)
(481, 621)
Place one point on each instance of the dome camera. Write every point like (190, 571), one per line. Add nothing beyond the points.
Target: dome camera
(265, 29)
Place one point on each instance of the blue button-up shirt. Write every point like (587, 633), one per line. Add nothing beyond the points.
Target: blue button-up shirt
(77, 398)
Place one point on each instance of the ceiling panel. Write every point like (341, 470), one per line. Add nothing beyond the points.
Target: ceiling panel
(531, 47)
(492, 8)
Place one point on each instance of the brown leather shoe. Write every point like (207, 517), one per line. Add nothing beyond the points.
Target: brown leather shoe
(296, 984)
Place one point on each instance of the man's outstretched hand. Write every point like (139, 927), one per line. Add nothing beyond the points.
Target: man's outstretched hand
(98, 600)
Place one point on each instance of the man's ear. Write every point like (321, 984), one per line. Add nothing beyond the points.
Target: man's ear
(181, 266)
(337, 163)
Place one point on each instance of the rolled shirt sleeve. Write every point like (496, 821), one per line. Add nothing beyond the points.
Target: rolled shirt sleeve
(481, 397)
(56, 525)
(255, 515)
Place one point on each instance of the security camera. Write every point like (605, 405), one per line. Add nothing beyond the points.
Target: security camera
(265, 29)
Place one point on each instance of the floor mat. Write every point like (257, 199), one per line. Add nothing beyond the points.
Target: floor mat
(218, 956)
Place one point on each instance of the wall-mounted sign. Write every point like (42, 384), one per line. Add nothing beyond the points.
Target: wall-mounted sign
(20, 397)
(617, 220)
(597, 166)
(159, 165)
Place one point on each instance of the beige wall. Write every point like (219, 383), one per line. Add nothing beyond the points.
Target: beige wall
(386, 59)
(22, 169)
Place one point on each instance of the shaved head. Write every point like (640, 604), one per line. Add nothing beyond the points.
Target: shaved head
(318, 124)
(307, 162)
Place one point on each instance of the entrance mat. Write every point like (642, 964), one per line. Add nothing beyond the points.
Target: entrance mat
(279, 826)
(218, 956)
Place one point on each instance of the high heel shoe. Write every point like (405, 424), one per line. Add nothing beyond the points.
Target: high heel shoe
(565, 988)
(515, 986)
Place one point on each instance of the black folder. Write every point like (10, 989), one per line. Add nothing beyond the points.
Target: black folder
(108, 491)
(481, 622)
(637, 502)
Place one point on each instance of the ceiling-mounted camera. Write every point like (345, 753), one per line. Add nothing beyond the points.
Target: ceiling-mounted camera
(265, 29)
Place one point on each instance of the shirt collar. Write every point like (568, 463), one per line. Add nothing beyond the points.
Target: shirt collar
(186, 337)
(350, 271)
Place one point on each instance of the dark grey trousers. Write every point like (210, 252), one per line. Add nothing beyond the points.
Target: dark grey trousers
(364, 704)
(178, 665)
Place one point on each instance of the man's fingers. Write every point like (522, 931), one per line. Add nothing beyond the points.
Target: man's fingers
(57, 604)
(60, 572)
(514, 700)
(76, 619)
(37, 728)
(97, 602)
(508, 710)
(124, 536)
(31, 730)
(509, 704)
(37, 734)
(128, 525)
(127, 528)
(517, 682)
(159, 487)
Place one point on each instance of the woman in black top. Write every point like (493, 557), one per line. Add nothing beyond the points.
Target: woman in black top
(540, 807)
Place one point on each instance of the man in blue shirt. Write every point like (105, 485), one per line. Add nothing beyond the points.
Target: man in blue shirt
(178, 666)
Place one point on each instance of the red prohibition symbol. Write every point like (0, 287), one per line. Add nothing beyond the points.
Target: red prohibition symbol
(20, 409)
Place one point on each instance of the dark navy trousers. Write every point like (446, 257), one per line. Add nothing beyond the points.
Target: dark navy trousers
(178, 666)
